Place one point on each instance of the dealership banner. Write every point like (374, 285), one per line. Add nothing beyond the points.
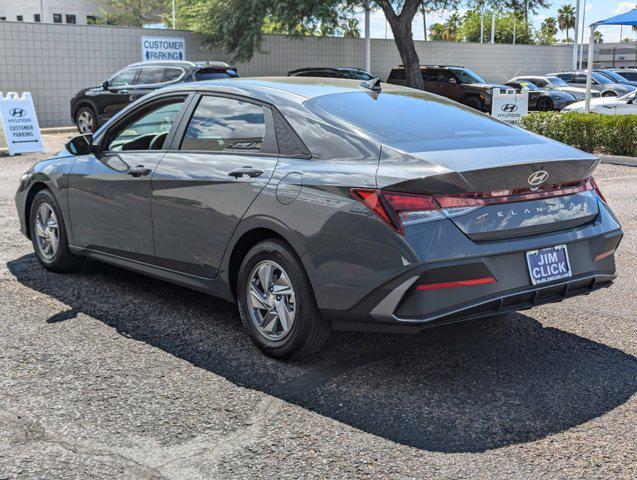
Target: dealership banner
(509, 106)
(20, 123)
(163, 48)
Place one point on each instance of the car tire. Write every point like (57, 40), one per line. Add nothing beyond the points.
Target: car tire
(473, 102)
(545, 104)
(48, 234)
(299, 329)
(86, 120)
(609, 94)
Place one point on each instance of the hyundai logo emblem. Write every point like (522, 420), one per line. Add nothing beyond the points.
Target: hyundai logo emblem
(538, 178)
(509, 107)
(17, 112)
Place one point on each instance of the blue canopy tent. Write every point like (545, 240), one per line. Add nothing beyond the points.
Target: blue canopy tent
(628, 18)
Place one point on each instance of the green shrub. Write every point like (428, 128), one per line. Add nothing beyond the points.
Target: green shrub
(591, 132)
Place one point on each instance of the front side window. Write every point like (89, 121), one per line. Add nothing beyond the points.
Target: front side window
(149, 131)
(557, 82)
(222, 124)
(397, 74)
(150, 75)
(122, 79)
(467, 76)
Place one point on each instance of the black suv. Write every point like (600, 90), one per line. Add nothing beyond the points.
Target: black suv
(92, 107)
(454, 82)
(329, 72)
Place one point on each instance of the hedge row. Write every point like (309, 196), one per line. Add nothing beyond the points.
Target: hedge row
(591, 132)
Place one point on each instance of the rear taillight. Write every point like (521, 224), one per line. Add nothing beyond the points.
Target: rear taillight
(599, 192)
(398, 209)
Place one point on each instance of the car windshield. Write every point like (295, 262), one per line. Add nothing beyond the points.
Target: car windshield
(601, 79)
(355, 74)
(467, 76)
(614, 76)
(557, 82)
(416, 121)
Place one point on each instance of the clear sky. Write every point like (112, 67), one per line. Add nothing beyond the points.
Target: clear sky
(595, 10)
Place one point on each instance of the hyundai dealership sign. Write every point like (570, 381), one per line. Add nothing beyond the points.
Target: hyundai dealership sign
(509, 106)
(163, 48)
(20, 124)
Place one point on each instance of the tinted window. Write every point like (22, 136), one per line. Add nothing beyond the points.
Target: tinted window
(151, 75)
(149, 131)
(397, 74)
(567, 77)
(540, 82)
(127, 77)
(356, 74)
(579, 79)
(467, 76)
(416, 122)
(557, 82)
(214, 73)
(172, 74)
(629, 75)
(222, 124)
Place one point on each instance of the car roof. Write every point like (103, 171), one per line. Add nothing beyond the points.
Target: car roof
(178, 63)
(299, 88)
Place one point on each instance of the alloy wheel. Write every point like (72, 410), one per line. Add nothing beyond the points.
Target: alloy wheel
(85, 122)
(47, 231)
(271, 300)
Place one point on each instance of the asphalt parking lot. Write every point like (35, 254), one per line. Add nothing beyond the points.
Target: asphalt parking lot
(108, 374)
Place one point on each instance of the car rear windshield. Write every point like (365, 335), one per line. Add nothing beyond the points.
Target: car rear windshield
(417, 122)
(215, 73)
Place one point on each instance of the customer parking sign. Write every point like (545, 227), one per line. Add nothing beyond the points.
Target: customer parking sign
(20, 124)
(163, 48)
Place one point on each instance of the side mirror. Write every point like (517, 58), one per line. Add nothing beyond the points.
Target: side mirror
(453, 81)
(630, 101)
(80, 145)
(106, 84)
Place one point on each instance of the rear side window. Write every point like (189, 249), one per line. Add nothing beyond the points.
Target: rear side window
(172, 74)
(397, 74)
(567, 77)
(632, 76)
(416, 122)
(539, 82)
(151, 75)
(221, 124)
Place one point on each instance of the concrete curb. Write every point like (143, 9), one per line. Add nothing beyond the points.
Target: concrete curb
(618, 160)
(51, 130)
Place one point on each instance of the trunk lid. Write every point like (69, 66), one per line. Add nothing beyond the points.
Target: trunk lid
(505, 171)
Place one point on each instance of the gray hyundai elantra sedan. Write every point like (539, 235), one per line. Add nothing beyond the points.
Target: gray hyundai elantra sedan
(320, 204)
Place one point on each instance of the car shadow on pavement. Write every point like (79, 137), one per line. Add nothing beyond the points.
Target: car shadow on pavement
(462, 388)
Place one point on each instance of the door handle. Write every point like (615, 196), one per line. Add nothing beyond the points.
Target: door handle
(246, 170)
(138, 171)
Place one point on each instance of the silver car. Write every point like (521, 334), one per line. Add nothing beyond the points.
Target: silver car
(600, 83)
(554, 83)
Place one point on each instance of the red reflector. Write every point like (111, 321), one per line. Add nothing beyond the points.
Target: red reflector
(602, 256)
(457, 283)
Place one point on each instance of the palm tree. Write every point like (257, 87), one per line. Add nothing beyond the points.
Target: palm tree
(437, 32)
(452, 26)
(548, 30)
(598, 37)
(566, 18)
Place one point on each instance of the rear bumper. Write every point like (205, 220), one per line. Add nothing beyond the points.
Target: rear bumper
(400, 307)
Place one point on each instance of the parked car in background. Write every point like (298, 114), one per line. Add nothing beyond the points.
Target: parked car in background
(554, 83)
(600, 83)
(627, 73)
(609, 105)
(455, 82)
(412, 211)
(92, 107)
(542, 99)
(329, 72)
(616, 77)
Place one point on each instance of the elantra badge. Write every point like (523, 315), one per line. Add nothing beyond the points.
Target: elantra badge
(538, 178)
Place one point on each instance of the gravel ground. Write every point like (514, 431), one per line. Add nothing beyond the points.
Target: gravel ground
(108, 374)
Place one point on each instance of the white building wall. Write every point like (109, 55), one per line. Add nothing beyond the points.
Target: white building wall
(54, 61)
(46, 8)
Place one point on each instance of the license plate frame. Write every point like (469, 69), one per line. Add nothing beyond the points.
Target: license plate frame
(554, 256)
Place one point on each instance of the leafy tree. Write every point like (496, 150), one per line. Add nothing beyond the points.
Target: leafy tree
(626, 40)
(135, 13)
(437, 32)
(351, 28)
(548, 30)
(566, 19)
(470, 30)
(598, 37)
